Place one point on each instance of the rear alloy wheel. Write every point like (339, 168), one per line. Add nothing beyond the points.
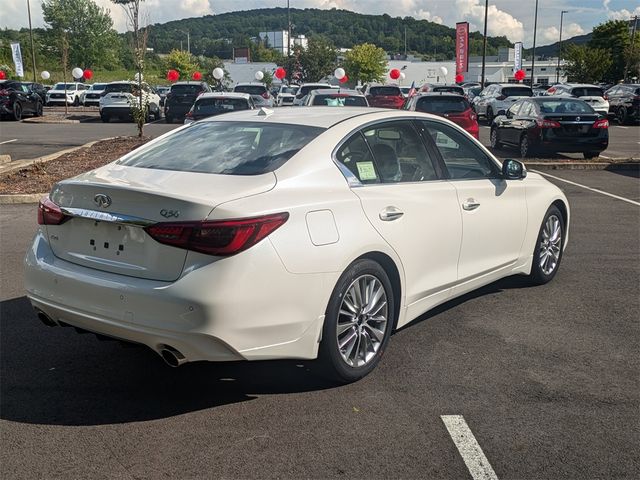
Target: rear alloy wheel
(17, 112)
(495, 143)
(358, 322)
(526, 150)
(548, 250)
(590, 155)
(39, 109)
(622, 115)
(489, 115)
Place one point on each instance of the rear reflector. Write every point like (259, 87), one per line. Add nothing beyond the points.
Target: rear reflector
(220, 237)
(602, 123)
(49, 213)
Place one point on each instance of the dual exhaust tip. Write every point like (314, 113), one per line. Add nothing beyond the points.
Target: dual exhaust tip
(170, 355)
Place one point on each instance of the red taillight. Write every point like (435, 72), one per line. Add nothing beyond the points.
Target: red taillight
(189, 114)
(606, 97)
(265, 95)
(49, 213)
(4, 93)
(602, 123)
(542, 123)
(219, 237)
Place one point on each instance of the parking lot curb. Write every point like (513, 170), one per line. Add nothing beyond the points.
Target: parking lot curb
(21, 198)
(52, 120)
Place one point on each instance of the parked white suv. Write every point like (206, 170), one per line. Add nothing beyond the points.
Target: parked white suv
(592, 94)
(92, 96)
(119, 97)
(499, 96)
(69, 93)
(304, 90)
(286, 95)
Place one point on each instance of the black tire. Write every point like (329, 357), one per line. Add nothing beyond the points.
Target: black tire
(526, 149)
(17, 112)
(168, 119)
(76, 102)
(494, 139)
(39, 109)
(105, 118)
(330, 358)
(538, 275)
(157, 115)
(489, 115)
(590, 155)
(622, 116)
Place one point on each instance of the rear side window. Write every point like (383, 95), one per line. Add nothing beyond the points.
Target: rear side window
(386, 91)
(517, 92)
(228, 148)
(250, 89)
(440, 105)
(587, 92)
(339, 101)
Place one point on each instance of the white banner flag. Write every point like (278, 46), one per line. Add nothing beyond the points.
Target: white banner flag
(17, 59)
(517, 58)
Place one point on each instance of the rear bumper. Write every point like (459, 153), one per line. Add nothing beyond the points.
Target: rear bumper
(224, 310)
(176, 111)
(572, 145)
(116, 111)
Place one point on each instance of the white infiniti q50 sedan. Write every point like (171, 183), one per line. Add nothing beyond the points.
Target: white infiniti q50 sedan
(305, 233)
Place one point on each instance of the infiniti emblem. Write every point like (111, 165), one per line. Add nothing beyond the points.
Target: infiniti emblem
(102, 200)
(577, 119)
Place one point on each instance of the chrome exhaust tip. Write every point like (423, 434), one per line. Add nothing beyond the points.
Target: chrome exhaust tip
(172, 357)
(46, 319)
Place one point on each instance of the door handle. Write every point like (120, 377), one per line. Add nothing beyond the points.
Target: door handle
(390, 213)
(470, 204)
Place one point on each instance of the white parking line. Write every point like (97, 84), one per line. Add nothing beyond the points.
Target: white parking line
(620, 126)
(632, 202)
(473, 456)
(8, 141)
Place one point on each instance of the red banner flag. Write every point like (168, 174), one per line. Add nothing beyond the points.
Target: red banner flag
(462, 47)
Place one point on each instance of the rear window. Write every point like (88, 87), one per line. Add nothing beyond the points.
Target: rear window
(449, 89)
(186, 89)
(386, 91)
(227, 148)
(118, 88)
(289, 90)
(214, 106)
(587, 92)
(98, 86)
(440, 105)
(251, 89)
(565, 106)
(339, 101)
(308, 88)
(517, 92)
(60, 86)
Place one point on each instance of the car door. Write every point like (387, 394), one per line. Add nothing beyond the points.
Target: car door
(507, 126)
(493, 210)
(524, 116)
(409, 204)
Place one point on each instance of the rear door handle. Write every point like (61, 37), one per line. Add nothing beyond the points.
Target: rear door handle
(390, 213)
(470, 204)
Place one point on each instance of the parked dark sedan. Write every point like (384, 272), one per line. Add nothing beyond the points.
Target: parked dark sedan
(549, 125)
(181, 97)
(624, 102)
(38, 88)
(17, 99)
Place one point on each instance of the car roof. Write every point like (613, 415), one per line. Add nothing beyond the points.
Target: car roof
(315, 83)
(510, 85)
(440, 94)
(246, 96)
(260, 84)
(190, 82)
(579, 85)
(323, 117)
(333, 91)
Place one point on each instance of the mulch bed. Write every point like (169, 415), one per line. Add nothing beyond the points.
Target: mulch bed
(40, 177)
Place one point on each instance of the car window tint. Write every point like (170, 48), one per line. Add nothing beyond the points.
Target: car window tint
(442, 104)
(587, 92)
(186, 89)
(565, 105)
(356, 156)
(385, 91)
(515, 109)
(213, 106)
(338, 100)
(231, 148)
(527, 110)
(399, 153)
(462, 157)
(517, 92)
(251, 89)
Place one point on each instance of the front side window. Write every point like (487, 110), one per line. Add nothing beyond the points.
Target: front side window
(462, 158)
(514, 110)
(227, 148)
(527, 110)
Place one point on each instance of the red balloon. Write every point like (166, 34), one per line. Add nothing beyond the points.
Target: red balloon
(280, 73)
(344, 79)
(196, 76)
(519, 75)
(459, 78)
(394, 74)
(2, 75)
(87, 74)
(173, 75)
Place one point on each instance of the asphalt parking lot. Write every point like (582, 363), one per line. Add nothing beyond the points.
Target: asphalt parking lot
(546, 378)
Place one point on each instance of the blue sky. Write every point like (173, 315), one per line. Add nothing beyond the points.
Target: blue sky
(513, 18)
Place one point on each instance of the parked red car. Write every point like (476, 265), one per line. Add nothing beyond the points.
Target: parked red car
(452, 106)
(384, 96)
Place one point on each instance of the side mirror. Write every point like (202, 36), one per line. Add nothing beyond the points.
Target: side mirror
(513, 169)
(503, 112)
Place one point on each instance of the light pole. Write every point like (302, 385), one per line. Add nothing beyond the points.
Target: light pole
(560, 47)
(33, 54)
(533, 58)
(288, 29)
(484, 46)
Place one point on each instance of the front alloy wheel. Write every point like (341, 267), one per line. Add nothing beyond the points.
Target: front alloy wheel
(17, 112)
(358, 322)
(548, 250)
(525, 147)
(495, 143)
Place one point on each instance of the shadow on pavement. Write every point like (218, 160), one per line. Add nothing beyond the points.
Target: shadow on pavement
(53, 376)
(626, 169)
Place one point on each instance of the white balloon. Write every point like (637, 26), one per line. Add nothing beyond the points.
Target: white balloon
(402, 76)
(218, 73)
(259, 75)
(77, 72)
(45, 75)
(444, 71)
(339, 73)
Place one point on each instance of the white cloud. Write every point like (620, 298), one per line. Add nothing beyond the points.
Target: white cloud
(499, 22)
(552, 34)
(622, 14)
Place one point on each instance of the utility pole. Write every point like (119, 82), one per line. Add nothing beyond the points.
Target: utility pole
(33, 52)
(188, 42)
(533, 58)
(560, 47)
(288, 29)
(405, 42)
(633, 45)
(484, 46)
